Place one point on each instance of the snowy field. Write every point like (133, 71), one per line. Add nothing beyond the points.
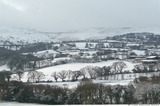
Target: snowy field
(4, 67)
(127, 78)
(71, 85)
(19, 104)
(76, 66)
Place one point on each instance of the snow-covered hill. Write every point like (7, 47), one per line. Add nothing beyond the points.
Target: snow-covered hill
(26, 35)
(22, 35)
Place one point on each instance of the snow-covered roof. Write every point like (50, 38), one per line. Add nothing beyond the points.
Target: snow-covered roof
(134, 44)
(139, 52)
(151, 57)
(149, 60)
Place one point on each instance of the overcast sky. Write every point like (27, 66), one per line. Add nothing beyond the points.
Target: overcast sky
(62, 15)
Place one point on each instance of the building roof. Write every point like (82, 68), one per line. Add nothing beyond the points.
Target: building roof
(151, 57)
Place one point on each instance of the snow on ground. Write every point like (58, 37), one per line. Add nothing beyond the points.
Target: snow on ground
(75, 84)
(62, 58)
(81, 45)
(113, 49)
(92, 44)
(31, 35)
(121, 79)
(19, 104)
(139, 52)
(106, 44)
(46, 51)
(4, 67)
(133, 44)
(103, 32)
(112, 80)
(77, 52)
(76, 66)
(61, 84)
(90, 52)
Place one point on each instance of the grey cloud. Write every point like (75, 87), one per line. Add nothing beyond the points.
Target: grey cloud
(61, 15)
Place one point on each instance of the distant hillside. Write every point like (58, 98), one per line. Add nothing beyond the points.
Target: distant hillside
(26, 35)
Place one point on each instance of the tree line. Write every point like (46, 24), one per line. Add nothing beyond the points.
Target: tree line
(85, 93)
(143, 90)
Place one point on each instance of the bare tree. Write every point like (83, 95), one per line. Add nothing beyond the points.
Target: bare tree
(83, 72)
(106, 72)
(39, 76)
(114, 67)
(118, 67)
(92, 71)
(75, 75)
(35, 76)
(92, 74)
(62, 75)
(55, 76)
(115, 70)
(31, 76)
(69, 75)
(20, 75)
